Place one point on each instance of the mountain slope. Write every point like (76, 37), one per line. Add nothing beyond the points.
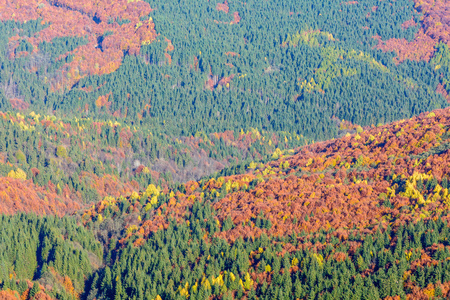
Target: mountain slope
(80, 161)
(187, 68)
(106, 106)
(369, 208)
(382, 175)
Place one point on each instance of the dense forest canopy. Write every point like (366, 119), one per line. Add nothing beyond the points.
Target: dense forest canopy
(225, 83)
(219, 66)
(168, 149)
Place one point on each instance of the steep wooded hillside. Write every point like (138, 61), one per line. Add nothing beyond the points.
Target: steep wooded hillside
(368, 201)
(45, 257)
(363, 216)
(380, 175)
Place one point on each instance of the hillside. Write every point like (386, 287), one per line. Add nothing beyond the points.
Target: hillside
(326, 205)
(73, 162)
(182, 100)
(363, 216)
(382, 175)
(287, 149)
(108, 30)
(218, 66)
(434, 29)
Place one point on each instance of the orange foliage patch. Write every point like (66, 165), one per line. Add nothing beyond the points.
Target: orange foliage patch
(109, 185)
(232, 54)
(103, 100)
(19, 104)
(65, 281)
(42, 296)
(170, 46)
(18, 195)
(68, 285)
(418, 293)
(350, 2)
(441, 90)
(409, 23)
(226, 80)
(236, 18)
(168, 57)
(421, 48)
(86, 18)
(340, 256)
(9, 295)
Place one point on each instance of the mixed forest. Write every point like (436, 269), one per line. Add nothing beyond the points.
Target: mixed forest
(224, 149)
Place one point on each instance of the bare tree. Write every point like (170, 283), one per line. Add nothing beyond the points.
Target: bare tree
(10, 88)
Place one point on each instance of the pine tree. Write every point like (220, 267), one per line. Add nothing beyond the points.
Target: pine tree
(22, 287)
(420, 276)
(105, 284)
(118, 291)
(34, 290)
(438, 290)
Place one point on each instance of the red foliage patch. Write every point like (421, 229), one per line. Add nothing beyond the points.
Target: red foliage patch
(139, 169)
(19, 104)
(103, 100)
(168, 58)
(340, 256)
(226, 80)
(223, 7)
(421, 48)
(232, 54)
(441, 90)
(35, 172)
(109, 185)
(409, 23)
(236, 18)
(170, 46)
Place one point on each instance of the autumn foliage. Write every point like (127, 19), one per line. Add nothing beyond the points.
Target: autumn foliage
(95, 20)
(225, 8)
(435, 28)
(17, 195)
(366, 180)
(19, 104)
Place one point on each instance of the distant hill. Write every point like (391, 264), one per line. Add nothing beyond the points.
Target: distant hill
(218, 66)
(107, 30)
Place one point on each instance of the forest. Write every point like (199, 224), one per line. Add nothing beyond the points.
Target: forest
(224, 149)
